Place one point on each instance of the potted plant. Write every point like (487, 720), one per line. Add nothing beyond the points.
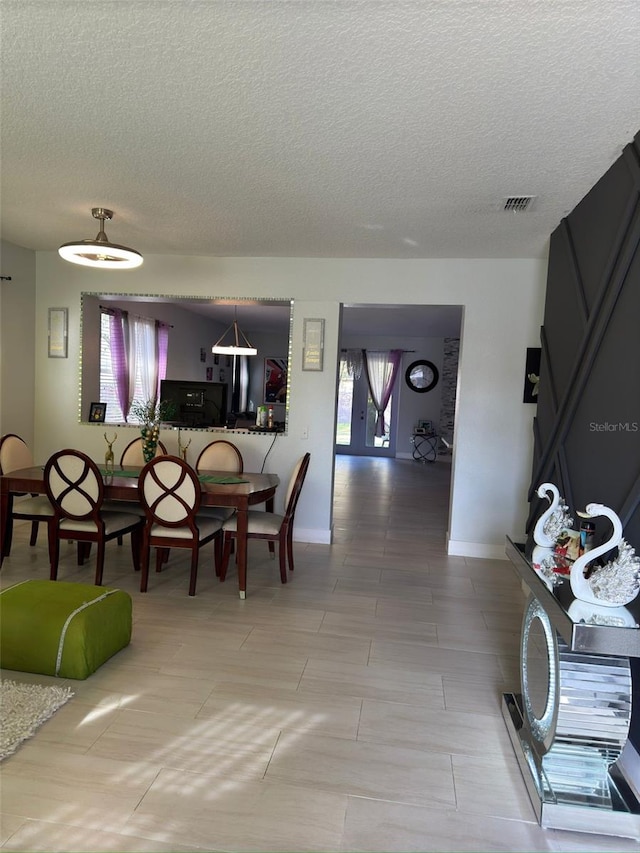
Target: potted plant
(151, 413)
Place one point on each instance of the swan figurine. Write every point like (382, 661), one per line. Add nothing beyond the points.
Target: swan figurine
(614, 584)
(553, 520)
(598, 614)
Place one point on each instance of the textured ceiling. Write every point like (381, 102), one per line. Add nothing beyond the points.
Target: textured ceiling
(327, 128)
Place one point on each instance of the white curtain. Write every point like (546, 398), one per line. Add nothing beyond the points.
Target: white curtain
(382, 370)
(146, 350)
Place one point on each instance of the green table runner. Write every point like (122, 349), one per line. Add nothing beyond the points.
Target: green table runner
(204, 478)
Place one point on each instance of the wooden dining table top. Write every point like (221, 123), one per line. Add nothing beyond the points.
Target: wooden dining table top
(122, 484)
(123, 481)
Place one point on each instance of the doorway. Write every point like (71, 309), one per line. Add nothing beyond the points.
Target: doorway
(432, 332)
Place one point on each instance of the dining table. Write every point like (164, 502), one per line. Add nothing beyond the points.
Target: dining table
(219, 488)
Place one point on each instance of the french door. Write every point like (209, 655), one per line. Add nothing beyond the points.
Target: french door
(356, 418)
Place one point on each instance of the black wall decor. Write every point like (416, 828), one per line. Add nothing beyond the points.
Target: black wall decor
(587, 424)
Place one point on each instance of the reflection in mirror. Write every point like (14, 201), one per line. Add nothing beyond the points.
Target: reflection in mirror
(140, 342)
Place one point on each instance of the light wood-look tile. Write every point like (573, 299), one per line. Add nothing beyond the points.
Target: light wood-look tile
(356, 708)
(225, 814)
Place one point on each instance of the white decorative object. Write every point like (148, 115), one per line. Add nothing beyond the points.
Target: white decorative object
(541, 555)
(616, 583)
(545, 568)
(599, 614)
(553, 520)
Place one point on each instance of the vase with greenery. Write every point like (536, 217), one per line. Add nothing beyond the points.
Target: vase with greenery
(151, 413)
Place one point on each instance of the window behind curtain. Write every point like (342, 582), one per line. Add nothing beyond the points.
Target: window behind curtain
(108, 393)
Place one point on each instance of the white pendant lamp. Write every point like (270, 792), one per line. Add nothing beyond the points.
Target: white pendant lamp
(100, 253)
(239, 345)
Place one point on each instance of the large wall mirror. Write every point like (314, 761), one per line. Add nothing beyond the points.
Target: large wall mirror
(209, 391)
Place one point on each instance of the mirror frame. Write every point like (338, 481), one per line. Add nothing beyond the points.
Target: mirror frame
(408, 376)
(182, 299)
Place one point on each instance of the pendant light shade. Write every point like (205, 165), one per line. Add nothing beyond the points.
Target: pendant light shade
(238, 344)
(100, 253)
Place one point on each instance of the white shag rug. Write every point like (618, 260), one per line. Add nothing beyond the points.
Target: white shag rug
(23, 708)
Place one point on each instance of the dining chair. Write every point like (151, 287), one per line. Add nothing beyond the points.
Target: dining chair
(76, 490)
(270, 525)
(220, 455)
(15, 454)
(170, 494)
(132, 454)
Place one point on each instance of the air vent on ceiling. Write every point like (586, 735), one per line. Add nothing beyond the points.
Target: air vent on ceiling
(519, 203)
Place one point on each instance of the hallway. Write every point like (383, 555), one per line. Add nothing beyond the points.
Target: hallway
(356, 708)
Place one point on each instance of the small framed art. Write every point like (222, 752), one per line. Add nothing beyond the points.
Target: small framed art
(313, 344)
(97, 413)
(58, 332)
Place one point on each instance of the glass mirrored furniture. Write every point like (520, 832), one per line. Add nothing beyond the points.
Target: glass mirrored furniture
(569, 723)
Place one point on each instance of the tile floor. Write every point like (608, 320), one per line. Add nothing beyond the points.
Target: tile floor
(355, 708)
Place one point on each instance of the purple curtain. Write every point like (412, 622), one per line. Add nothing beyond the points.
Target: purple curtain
(162, 330)
(381, 371)
(118, 321)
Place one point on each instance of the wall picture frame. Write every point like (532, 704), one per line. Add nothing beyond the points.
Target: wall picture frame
(97, 413)
(58, 333)
(313, 344)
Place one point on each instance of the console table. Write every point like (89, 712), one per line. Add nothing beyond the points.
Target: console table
(569, 724)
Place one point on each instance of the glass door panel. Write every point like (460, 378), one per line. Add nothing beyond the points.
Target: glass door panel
(356, 419)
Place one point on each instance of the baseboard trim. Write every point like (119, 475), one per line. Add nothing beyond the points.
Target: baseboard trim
(476, 549)
(312, 535)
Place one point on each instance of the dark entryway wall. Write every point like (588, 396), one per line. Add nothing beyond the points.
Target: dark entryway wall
(587, 427)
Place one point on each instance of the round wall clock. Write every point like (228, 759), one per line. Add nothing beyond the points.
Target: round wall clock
(421, 376)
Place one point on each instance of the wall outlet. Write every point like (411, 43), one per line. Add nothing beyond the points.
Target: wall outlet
(305, 432)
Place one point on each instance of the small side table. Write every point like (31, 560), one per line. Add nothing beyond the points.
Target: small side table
(425, 447)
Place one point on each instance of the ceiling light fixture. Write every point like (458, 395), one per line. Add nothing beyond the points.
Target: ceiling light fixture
(240, 345)
(100, 253)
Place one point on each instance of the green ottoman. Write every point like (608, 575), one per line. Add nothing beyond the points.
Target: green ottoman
(63, 629)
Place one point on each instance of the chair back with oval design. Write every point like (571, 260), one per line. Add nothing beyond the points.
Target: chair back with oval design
(76, 490)
(74, 485)
(14, 454)
(132, 454)
(170, 491)
(220, 455)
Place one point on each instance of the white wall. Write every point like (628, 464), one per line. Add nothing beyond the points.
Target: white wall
(503, 302)
(17, 356)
